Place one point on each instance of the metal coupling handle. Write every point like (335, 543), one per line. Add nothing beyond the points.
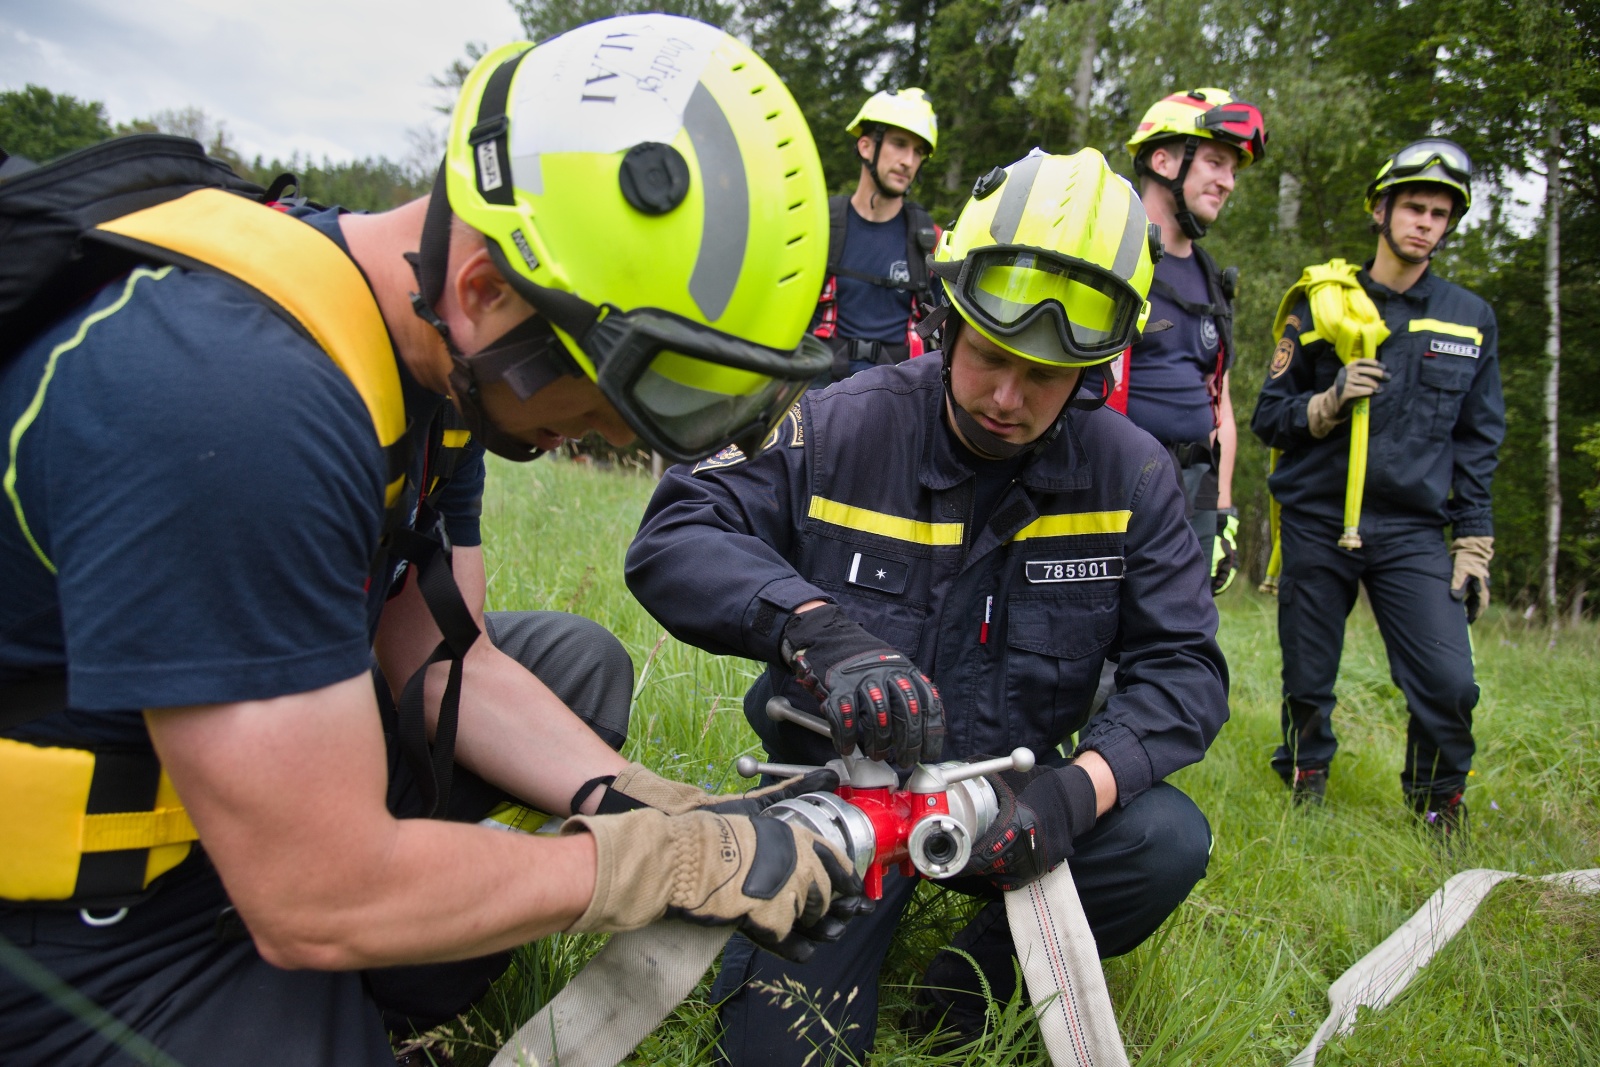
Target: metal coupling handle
(750, 767)
(1020, 760)
(780, 710)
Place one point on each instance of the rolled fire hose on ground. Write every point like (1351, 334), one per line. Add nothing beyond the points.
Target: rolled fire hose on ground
(1379, 976)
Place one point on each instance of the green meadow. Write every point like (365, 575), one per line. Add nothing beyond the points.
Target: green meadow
(1293, 897)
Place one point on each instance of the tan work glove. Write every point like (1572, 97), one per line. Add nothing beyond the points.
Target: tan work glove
(783, 886)
(1469, 573)
(1357, 379)
(638, 786)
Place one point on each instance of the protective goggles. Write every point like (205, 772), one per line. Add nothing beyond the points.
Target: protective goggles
(1238, 123)
(687, 389)
(1047, 306)
(1416, 158)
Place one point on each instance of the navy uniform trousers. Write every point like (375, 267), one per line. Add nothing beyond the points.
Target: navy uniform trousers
(1132, 870)
(196, 989)
(1407, 575)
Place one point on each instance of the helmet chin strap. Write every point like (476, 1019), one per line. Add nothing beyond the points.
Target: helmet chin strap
(1388, 237)
(986, 444)
(872, 168)
(526, 358)
(1188, 222)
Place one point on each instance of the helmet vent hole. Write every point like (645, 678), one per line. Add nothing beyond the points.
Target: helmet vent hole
(786, 142)
(772, 116)
(757, 89)
(791, 173)
(797, 205)
(796, 239)
(787, 278)
(737, 66)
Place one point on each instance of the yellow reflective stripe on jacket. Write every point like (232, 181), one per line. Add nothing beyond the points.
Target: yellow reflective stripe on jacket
(1454, 329)
(323, 289)
(44, 832)
(1076, 523)
(31, 412)
(876, 522)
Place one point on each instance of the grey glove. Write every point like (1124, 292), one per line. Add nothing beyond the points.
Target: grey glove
(1469, 573)
(1357, 379)
(783, 886)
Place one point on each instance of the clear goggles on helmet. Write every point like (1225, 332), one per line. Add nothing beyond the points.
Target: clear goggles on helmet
(1237, 123)
(1416, 158)
(1045, 305)
(687, 389)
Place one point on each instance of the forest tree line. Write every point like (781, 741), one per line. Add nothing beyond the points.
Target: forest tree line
(1342, 84)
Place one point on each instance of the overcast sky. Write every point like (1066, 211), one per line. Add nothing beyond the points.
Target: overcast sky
(341, 78)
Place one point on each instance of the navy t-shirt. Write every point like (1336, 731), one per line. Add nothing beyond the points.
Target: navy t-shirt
(1168, 371)
(207, 489)
(874, 312)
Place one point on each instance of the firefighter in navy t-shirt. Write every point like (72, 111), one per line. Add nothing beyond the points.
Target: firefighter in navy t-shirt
(878, 240)
(1174, 383)
(208, 833)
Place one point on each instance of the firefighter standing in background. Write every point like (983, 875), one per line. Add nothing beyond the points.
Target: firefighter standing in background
(1434, 427)
(1187, 150)
(879, 239)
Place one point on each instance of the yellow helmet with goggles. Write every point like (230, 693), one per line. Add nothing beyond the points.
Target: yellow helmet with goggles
(650, 187)
(1192, 116)
(1052, 259)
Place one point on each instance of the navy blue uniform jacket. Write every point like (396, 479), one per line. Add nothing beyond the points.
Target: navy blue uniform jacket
(860, 498)
(1435, 429)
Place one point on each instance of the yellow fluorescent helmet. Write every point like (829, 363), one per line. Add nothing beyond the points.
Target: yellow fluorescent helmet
(908, 109)
(646, 161)
(1051, 259)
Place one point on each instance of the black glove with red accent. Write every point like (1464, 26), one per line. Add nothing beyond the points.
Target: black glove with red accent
(1041, 811)
(871, 695)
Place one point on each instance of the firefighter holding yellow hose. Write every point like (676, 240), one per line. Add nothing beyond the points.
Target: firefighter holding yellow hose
(1383, 402)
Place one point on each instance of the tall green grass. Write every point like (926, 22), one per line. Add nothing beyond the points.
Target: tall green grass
(1293, 897)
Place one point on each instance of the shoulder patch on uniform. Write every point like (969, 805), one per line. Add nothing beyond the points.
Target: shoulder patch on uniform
(728, 457)
(796, 427)
(1282, 356)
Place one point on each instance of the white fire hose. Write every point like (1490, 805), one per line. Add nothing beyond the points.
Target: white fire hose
(638, 978)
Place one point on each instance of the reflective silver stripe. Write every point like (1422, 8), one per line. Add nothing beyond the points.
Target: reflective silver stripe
(726, 229)
(1014, 197)
(1134, 234)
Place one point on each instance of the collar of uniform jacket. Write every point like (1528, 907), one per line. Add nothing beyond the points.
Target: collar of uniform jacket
(1417, 294)
(1062, 466)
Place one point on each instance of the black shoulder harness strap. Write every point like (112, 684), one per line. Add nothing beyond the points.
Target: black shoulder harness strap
(920, 238)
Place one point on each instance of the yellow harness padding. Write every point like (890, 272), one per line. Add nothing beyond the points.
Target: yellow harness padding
(294, 267)
(44, 791)
(1343, 314)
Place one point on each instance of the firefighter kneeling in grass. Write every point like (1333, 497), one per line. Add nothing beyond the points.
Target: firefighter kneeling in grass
(1383, 403)
(215, 468)
(940, 555)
